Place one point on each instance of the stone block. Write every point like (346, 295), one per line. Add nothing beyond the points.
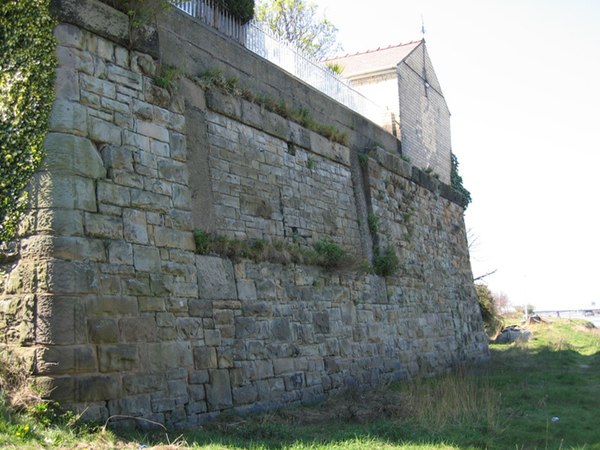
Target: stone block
(189, 328)
(118, 358)
(66, 85)
(152, 130)
(149, 200)
(62, 191)
(66, 360)
(68, 117)
(138, 405)
(79, 248)
(178, 146)
(136, 285)
(205, 358)
(103, 226)
(223, 317)
(136, 140)
(120, 252)
(244, 395)
(115, 157)
(171, 170)
(245, 327)
(69, 35)
(283, 366)
(107, 306)
(218, 391)
(98, 86)
(67, 277)
(103, 131)
(138, 329)
(246, 290)
(212, 337)
(280, 329)
(103, 330)
(294, 381)
(215, 278)
(169, 355)
(60, 222)
(135, 226)
(146, 259)
(151, 304)
(321, 322)
(264, 369)
(113, 194)
(258, 309)
(140, 383)
(124, 77)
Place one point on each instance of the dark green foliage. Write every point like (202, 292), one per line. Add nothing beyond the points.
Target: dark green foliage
(27, 63)
(457, 182)
(492, 321)
(373, 222)
(331, 255)
(385, 263)
(242, 10)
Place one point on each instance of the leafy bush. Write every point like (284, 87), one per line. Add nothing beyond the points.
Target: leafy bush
(27, 62)
(385, 263)
(330, 254)
(373, 223)
(492, 321)
(457, 182)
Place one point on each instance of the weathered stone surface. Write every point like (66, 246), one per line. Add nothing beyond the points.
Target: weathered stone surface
(169, 355)
(117, 358)
(105, 288)
(68, 117)
(64, 191)
(218, 391)
(215, 278)
(66, 360)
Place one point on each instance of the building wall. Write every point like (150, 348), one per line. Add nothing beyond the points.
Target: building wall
(424, 115)
(104, 293)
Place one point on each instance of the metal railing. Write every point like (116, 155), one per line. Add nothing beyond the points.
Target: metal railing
(263, 43)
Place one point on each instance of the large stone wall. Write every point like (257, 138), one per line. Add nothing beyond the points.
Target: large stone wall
(104, 293)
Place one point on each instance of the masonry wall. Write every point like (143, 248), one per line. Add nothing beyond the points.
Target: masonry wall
(424, 115)
(104, 293)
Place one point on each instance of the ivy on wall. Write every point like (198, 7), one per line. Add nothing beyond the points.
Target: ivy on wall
(457, 182)
(27, 63)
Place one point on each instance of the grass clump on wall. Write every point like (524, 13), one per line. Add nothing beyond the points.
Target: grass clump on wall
(27, 63)
(324, 253)
(215, 78)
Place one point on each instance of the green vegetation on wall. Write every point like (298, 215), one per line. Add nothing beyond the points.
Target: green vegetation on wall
(27, 62)
(214, 78)
(457, 182)
(324, 253)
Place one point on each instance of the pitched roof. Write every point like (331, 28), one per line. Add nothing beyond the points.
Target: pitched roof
(374, 60)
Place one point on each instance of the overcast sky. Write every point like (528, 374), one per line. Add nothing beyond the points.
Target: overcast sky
(522, 80)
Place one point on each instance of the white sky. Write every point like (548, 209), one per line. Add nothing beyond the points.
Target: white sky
(522, 80)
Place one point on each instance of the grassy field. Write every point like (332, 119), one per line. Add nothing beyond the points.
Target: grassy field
(544, 394)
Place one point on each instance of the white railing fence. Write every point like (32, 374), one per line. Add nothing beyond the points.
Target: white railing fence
(265, 44)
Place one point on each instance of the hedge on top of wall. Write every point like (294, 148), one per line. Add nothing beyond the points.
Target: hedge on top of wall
(27, 63)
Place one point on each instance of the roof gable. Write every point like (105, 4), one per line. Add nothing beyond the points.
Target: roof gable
(374, 60)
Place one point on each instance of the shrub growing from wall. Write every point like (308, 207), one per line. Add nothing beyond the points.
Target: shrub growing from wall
(27, 62)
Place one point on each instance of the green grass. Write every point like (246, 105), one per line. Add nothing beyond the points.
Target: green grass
(507, 404)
